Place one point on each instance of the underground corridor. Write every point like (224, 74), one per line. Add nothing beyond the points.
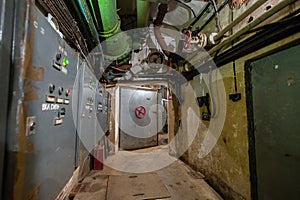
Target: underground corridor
(149, 99)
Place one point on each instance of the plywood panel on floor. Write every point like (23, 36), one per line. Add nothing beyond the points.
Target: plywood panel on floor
(93, 188)
(136, 186)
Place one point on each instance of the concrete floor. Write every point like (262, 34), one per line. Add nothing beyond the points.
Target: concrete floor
(176, 179)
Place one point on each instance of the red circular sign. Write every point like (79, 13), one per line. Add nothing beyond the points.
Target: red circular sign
(140, 112)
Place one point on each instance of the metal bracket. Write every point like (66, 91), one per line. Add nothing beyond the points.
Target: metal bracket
(235, 97)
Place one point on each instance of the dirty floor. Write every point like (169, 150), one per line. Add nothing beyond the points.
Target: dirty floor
(176, 181)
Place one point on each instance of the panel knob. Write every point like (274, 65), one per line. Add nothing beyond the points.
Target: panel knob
(51, 88)
(60, 90)
(32, 126)
(68, 92)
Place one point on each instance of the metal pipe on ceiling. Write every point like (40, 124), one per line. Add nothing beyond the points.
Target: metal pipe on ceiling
(253, 24)
(239, 19)
(262, 39)
(198, 30)
(200, 15)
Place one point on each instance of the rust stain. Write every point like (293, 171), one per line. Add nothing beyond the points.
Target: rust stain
(36, 73)
(31, 91)
(32, 73)
(29, 147)
(26, 62)
(31, 96)
(21, 157)
(33, 194)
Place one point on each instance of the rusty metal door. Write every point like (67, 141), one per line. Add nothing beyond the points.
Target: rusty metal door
(138, 118)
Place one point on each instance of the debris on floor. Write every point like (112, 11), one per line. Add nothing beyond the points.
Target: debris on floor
(175, 182)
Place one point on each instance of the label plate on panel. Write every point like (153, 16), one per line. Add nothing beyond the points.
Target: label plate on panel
(49, 107)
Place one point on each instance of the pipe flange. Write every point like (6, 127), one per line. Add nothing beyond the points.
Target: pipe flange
(211, 38)
(202, 40)
(113, 31)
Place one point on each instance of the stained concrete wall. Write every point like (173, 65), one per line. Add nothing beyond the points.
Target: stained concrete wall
(226, 166)
(222, 155)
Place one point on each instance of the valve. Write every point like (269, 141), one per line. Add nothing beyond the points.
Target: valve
(187, 39)
(140, 112)
(236, 4)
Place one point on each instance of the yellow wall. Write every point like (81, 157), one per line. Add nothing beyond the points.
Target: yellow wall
(227, 165)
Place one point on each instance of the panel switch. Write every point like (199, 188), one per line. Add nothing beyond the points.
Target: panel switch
(60, 101)
(58, 56)
(62, 112)
(50, 99)
(67, 102)
(57, 66)
(60, 90)
(68, 92)
(58, 121)
(30, 125)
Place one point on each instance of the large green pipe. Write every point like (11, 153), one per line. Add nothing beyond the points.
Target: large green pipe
(117, 45)
(109, 17)
(143, 8)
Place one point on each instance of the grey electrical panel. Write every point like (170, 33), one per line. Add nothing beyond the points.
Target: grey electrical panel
(41, 135)
(57, 108)
(93, 108)
(87, 115)
(102, 98)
